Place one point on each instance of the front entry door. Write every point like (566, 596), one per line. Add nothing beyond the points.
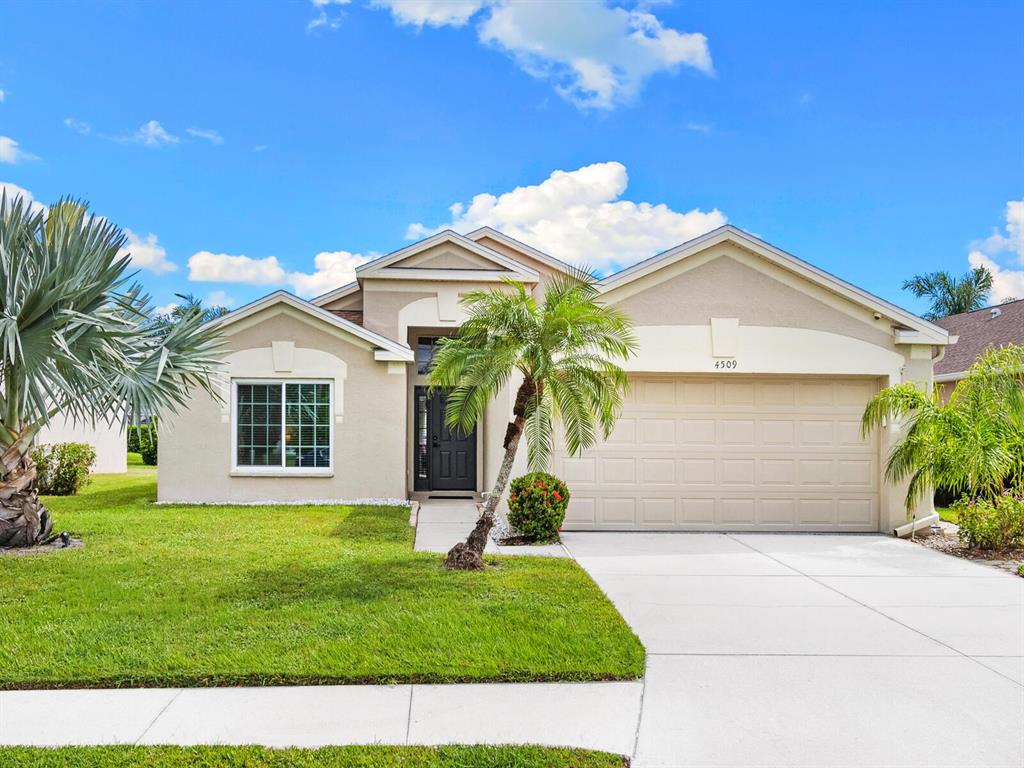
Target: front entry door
(452, 454)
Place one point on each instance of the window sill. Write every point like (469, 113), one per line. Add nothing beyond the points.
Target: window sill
(282, 473)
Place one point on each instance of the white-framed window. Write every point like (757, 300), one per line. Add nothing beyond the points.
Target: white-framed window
(282, 426)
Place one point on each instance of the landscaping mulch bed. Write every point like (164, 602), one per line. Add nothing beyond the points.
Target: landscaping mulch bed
(43, 549)
(947, 541)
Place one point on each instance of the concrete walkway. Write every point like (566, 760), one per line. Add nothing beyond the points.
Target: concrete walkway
(593, 715)
(443, 523)
(816, 650)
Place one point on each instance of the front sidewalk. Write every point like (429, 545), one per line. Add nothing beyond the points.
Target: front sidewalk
(442, 523)
(599, 716)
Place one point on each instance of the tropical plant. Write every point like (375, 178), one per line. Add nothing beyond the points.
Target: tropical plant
(536, 506)
(950, 295)
(991, 523)
(76, 338)
(973, 444)
(191, 305)
(566, 350)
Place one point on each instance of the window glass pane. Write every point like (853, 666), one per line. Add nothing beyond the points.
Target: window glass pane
(307, 425)
(258, 429)
(425, 353)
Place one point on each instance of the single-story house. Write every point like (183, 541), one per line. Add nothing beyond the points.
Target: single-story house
(108, 439)
(977, 331)
(743, 412)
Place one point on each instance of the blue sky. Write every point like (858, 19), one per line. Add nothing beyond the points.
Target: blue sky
(254, 146)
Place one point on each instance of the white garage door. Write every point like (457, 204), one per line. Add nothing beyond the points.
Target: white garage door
(696, 453)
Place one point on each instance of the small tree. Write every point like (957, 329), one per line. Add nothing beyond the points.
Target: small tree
(77, 339)
(950, 295)
(566, 350)
(973, 444)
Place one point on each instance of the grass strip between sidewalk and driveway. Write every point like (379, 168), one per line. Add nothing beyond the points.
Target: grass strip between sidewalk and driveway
(174, 596)
(327, 757)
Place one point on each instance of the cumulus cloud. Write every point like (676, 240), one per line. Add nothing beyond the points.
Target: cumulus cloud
(432, 13)
(204, 266)
(1006, 245)
(12, 191)
(209, 134)
(332, 269)
(12, 153)
(147, 253)
(596, 55)
(166, 309)
(577, 216)
(219, 299)
(151, 134)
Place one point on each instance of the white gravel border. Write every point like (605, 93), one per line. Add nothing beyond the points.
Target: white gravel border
(375, 502)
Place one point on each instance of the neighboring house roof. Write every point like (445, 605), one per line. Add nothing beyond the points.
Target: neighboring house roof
(401, 351)
(929, 332)
(978, 330)
(352, 315)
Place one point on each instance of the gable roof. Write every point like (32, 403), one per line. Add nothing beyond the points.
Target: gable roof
(529, 250)
(924, 331)
(337, 293)
(506, 266)
(978, 330)
(402, 351)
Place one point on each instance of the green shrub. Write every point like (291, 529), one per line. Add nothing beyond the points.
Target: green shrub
(149, 448)
(991, 524)
(63, 467)
(537, 504)
(140, 436)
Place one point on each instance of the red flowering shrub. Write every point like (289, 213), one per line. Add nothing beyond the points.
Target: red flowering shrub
(537, 504)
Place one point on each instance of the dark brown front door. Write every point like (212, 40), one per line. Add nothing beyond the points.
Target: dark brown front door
(452, 454)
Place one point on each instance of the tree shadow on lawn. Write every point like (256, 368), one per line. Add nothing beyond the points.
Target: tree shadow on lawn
(375, 525)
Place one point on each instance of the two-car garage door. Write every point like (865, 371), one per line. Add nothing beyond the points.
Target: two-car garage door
(705, 453)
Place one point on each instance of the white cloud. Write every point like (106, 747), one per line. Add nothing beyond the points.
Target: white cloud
(698, 127)
(13, 190)
(219, 299)
(596, 55)
(78, 126)
(332, 269)
(1006, 283)
(147, 253)
(10, 151)
(433, 13)
(577, 216)
(166, 309)
(204, 266)
(3, 95)
(209, 134)
(151, 134)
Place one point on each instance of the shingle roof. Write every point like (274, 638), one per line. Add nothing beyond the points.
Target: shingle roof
(977, 331)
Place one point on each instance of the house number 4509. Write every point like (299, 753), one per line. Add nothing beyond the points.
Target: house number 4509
(725, 365)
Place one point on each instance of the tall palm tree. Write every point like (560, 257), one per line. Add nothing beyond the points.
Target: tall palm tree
(76, 339)
(950, 295)
(566, 351)
(972, 444)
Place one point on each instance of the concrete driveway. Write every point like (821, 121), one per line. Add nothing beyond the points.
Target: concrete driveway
(816, 650)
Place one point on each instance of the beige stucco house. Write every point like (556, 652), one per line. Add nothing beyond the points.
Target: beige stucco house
(743, 413)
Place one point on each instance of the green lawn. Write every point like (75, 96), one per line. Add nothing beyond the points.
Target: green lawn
(135, 459)
(330, 757)
(947, 514)
(179, 595)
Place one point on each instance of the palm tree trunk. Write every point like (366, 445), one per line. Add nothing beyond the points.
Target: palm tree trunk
(468, 555)
(24, 520)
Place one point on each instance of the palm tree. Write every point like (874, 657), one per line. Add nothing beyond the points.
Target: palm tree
(949, 295)
(76, 338)
(972, 444)
(565, 350)
(191, 304)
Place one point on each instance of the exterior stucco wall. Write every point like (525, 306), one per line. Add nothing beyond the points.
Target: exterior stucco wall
(352, 301)
(108, 440)
(369, 430)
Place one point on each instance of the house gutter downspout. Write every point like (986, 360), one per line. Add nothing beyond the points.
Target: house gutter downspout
(914, 525)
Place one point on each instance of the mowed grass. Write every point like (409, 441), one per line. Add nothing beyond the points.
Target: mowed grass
(330, 757)
(201, 596)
